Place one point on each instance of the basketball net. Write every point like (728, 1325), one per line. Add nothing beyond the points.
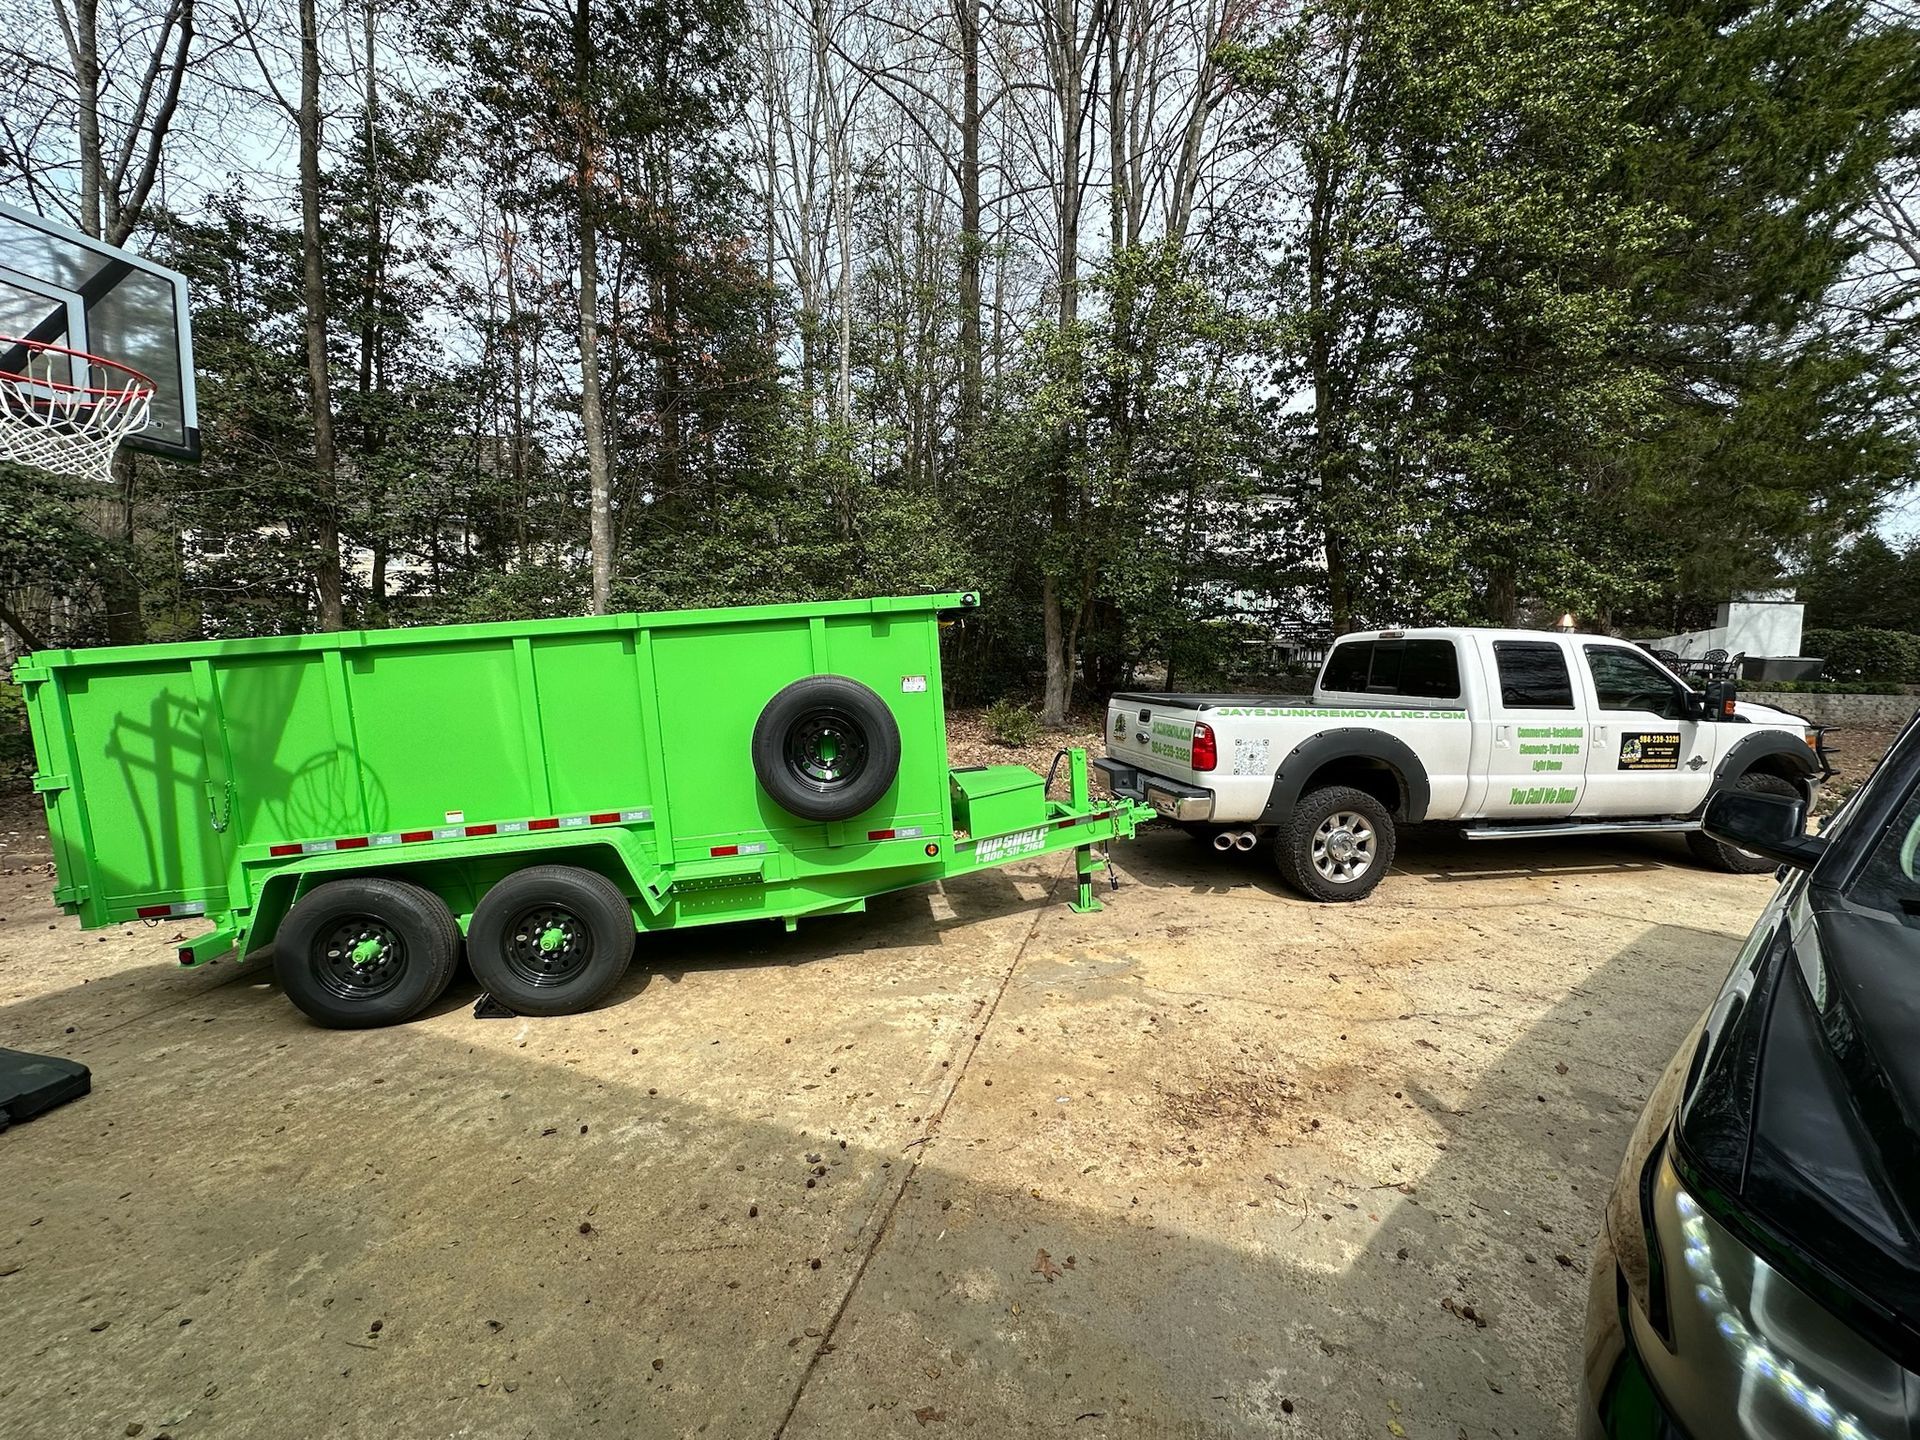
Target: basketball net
(66, 411)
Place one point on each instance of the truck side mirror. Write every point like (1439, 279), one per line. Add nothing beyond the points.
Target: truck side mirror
(1769, 825)
(1720, 698)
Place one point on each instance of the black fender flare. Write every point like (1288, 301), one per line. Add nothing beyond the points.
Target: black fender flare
(1350, 743)
(1760, 745)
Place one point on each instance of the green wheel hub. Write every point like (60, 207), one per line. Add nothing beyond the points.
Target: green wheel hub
(547, 945)
(360, 957)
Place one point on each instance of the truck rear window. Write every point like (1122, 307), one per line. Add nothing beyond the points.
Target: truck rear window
(1420, 669)
(1533, 675)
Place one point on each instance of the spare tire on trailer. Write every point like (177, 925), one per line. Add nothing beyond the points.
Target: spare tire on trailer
(826, 748)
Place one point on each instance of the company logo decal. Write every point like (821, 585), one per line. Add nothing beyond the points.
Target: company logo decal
(1006, 847)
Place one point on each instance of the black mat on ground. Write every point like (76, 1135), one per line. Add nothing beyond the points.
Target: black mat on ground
(30, 1084)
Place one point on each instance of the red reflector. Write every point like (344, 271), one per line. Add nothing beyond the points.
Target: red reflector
(156, 912)
(881, 834)
(283, 850)
(359, 842)
(612, 817)
(933, 849)
(1206, 753)
(483, 829)
(408, 837)
(186, 956)
(721, 850)
(543, 824)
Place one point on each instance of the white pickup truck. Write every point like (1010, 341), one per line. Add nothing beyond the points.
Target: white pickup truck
(1515, 734)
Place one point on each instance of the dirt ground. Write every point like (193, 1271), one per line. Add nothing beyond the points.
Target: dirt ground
(1214, 1162)
(1854, 750)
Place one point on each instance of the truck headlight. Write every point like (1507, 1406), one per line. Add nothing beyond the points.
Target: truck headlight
(1752, 1354)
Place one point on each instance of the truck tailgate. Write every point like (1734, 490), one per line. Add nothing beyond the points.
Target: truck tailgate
(1154, 733)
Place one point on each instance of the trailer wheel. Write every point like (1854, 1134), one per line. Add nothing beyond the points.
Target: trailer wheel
(365, 951)
(551, 939)
(1336, 845)
(1718, 855)
(826, 748)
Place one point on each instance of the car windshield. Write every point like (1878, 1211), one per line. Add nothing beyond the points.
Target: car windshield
(1890, 879)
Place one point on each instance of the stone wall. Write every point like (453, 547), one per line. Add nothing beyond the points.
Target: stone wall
(1875, 710)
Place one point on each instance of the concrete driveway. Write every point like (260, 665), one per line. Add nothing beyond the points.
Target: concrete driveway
(1216, 1162)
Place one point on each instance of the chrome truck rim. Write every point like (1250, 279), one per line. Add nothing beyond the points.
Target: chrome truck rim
(1343, 847)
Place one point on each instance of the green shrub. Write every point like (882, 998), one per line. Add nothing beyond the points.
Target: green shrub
(1866, 654)
(1011, 724)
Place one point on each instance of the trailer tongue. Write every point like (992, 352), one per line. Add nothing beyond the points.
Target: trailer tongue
(546, 788)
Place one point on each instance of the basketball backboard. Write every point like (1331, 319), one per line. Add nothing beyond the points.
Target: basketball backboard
(60, 287)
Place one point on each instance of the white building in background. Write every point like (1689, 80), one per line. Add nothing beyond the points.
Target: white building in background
(1765, 625)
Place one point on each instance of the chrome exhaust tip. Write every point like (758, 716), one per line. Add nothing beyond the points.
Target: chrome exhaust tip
(1223, 842)
(1245, 840)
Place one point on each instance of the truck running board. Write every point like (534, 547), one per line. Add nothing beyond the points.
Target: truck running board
(1582, 827)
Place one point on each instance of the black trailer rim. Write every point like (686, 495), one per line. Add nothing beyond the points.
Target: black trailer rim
(360, 958)
(547, 945)
(826, 748)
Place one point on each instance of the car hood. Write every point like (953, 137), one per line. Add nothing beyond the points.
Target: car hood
(1765, 714)
(1860, 988)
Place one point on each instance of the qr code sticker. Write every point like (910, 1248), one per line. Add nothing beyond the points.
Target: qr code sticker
(1249, 757)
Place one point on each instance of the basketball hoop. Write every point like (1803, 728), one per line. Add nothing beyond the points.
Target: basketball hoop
(65, 410)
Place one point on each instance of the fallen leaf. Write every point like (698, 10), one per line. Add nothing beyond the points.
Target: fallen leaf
(1043, 1265)
(927, 1415)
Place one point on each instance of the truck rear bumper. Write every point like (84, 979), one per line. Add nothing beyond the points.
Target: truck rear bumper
(1169, 798)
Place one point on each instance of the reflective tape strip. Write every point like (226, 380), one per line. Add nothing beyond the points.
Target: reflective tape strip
(722, 852)
(481, 831)
(162, 912)
(904, 832)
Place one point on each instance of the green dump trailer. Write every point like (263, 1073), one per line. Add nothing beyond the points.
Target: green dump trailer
(544, 789)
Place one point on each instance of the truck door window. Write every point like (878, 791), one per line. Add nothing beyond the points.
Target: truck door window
(1625, 680)
(1533, 675)
(1430, 671)
(1347, 666)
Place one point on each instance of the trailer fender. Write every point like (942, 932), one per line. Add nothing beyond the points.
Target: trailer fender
(1771, 751)
(461, 872)
(1366, 751)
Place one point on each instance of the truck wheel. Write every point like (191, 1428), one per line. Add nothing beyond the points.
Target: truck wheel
(366, 951)
(1719, 856)
(826, 748)
(551, 939)
(1336, 845)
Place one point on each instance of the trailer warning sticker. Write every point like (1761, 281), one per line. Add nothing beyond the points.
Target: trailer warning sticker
(913, 684)
(1650, 750)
